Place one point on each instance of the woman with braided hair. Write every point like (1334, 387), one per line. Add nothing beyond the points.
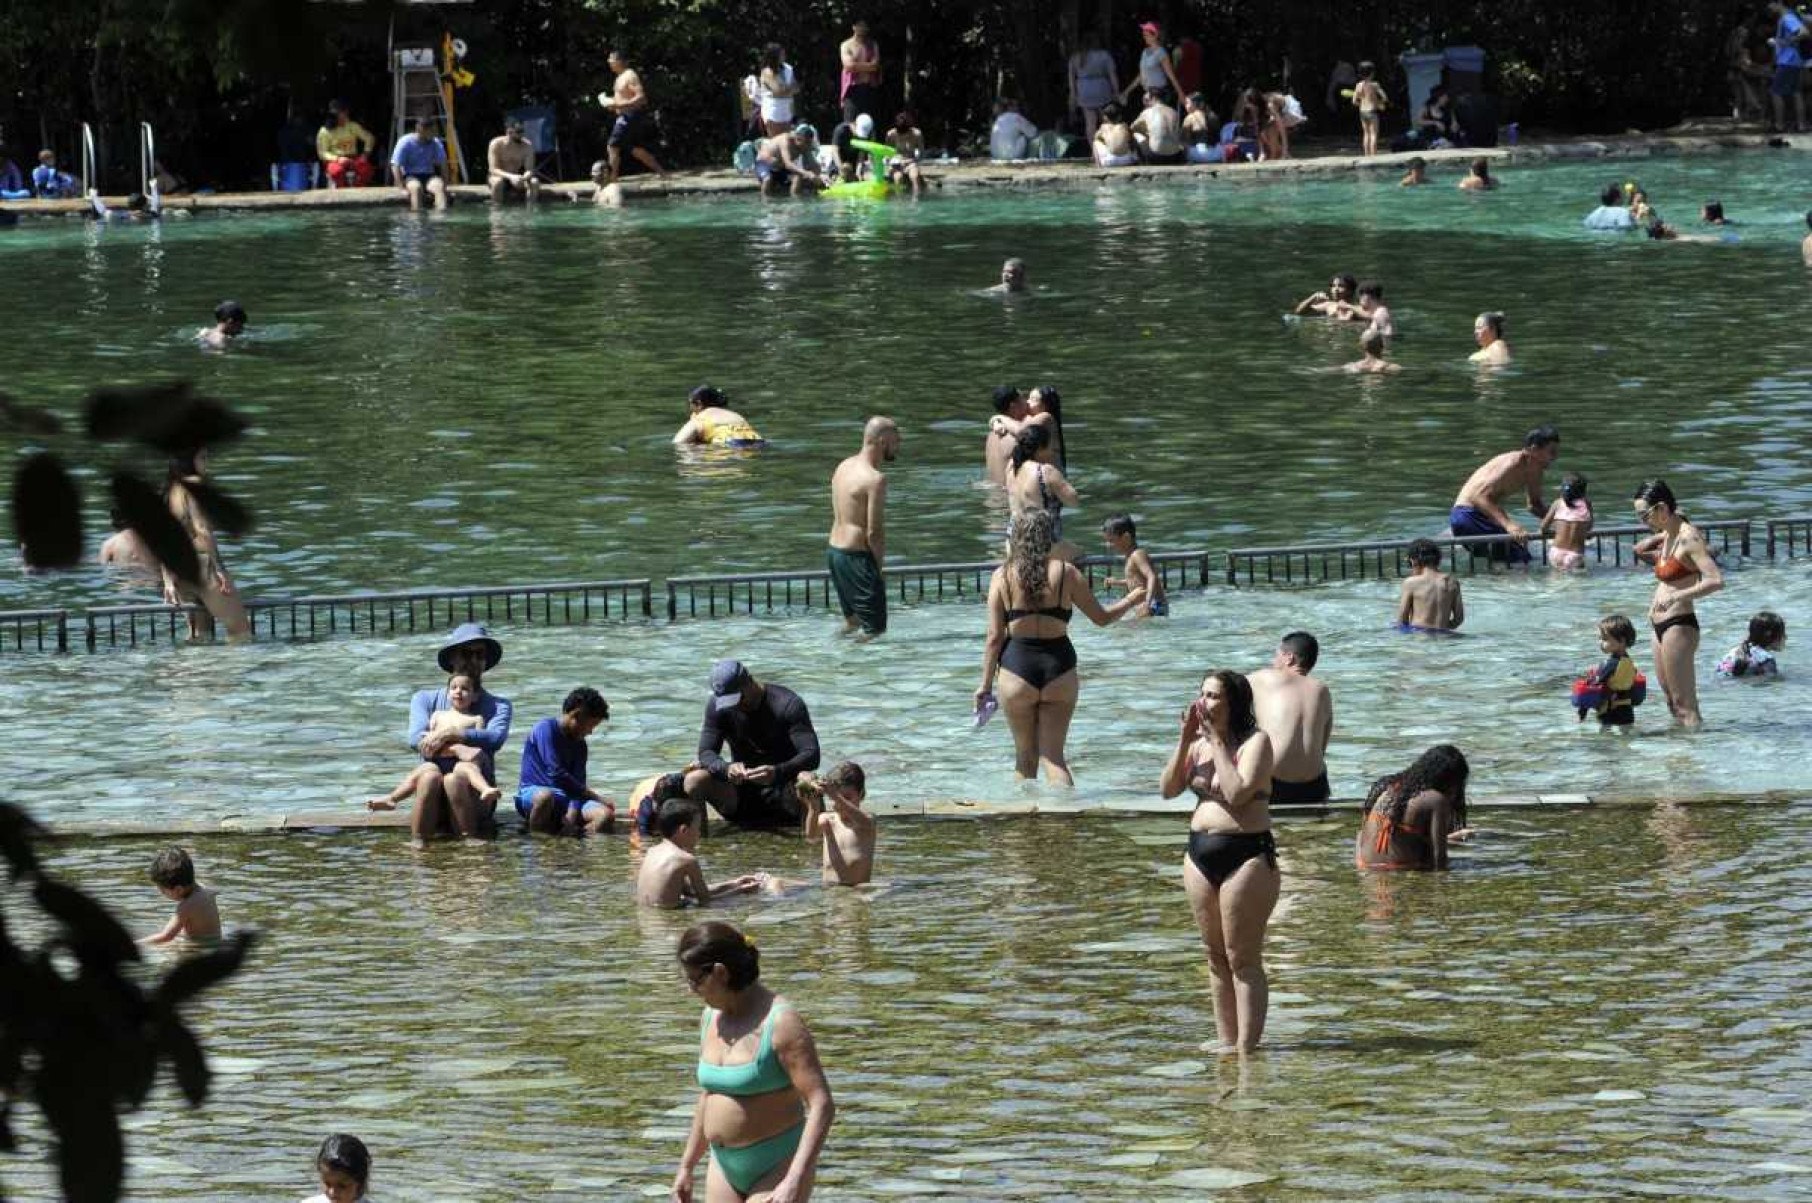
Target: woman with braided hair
(1409, 817)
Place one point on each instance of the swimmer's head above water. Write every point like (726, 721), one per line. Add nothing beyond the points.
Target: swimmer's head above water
(1572, 488)
(231, 317)
(1424, 553)
(1013, 275)
(705, 397)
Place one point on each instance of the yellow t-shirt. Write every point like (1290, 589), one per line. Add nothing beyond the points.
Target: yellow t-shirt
(342, 141)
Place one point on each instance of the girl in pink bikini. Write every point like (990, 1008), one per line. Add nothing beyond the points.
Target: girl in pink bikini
(1568, 522)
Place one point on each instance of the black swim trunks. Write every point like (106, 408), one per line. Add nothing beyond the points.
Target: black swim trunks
(630, 131)
(1301, 791)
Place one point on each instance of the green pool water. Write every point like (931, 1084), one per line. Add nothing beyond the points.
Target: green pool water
(1592, 1004)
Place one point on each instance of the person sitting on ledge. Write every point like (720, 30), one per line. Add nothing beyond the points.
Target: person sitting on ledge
(418, 164)
(714, 424)
(1114, 145)
(510, 165)
(343, 146)
(48, 182)
(446, 801)
(551, 794)
(1476, 510)
(1158, 132)
(770, 734)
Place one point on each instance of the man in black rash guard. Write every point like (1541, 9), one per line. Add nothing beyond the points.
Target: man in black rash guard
(771, 741)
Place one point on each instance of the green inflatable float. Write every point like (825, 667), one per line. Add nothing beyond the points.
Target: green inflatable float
(875, 187)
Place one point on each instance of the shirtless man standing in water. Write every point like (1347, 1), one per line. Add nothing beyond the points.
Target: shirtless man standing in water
(1476, 511)
(1298, 715)
(858, 535)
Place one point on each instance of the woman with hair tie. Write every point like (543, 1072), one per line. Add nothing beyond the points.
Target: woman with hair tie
(1030, 601)
(211, 595)
(1684, 572)
(1410, 816)
(1230, 872)
(1036, 485)
(764, 1107)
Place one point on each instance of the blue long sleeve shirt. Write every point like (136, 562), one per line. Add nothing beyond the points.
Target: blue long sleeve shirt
(551, 759)
(490, 737)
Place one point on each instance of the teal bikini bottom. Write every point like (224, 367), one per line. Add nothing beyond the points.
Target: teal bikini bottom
(745, 1165)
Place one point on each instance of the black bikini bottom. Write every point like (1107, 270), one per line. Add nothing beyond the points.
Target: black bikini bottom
(1219, 854)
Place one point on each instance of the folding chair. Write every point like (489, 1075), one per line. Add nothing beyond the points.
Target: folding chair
(538, 127)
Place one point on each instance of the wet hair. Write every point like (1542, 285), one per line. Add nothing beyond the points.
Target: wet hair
(1028, 443)
(229, 311)
(771, 56)
(1419, 163)
(1618, 627)
(903, 119)
(181, 467)
(1242, 719)
(847, 777)
(1442, 768)
(706, 396)
(1809, 218)
(1303, 647)
(1121, 524)
(1481, 168)
(1348, 281)
(1367, 70)
(1542, 436)
(1612, 195)
(116, 519)
(1372, 342)
(1767, 629)
(668, 785)
(1111, 111)
(1052, 403)
(348, 1155)
(1373, 289)
(1492, 320)
(1656, 492)
(586, 701)
(1029, 552)
(1656, 229)
(674, 814)
(172, 869)
(137, 202)
(1424, 553)
(707, 944)
(1714, 211)
(1572, 488)
(1004, 398)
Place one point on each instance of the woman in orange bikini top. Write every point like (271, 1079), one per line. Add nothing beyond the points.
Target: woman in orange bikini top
(1684, 571)
(1410, 816)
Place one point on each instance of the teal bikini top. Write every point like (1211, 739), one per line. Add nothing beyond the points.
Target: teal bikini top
(763, 1075)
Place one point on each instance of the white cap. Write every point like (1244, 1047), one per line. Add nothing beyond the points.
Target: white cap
(865, 126)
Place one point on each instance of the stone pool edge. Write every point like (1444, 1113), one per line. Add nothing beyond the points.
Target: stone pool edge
(982, 175)
(328, 821)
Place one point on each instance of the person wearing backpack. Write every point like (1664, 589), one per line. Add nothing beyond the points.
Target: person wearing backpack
(1791, 41)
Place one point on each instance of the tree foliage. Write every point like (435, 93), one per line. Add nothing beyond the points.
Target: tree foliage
(215, 76)
(79, 1036)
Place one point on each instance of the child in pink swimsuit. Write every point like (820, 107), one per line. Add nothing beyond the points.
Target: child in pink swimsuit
(1568, 521)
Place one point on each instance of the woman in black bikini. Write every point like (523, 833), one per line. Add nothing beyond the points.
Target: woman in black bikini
(1684, 572)
(1230, 872)
(1029, 649)
(1409, 817)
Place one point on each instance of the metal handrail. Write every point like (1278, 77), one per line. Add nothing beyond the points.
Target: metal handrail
(91, 175)
(147, 159)
(16, 621)
(1790, 531)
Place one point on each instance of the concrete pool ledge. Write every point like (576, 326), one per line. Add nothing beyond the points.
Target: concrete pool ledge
(937, 808)
(982, 175)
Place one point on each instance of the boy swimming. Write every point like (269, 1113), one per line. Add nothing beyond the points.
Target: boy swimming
(1429, 602)
(848, 832)
(671, 876)
(1372, 345)
(1122, 537)
(197, 914)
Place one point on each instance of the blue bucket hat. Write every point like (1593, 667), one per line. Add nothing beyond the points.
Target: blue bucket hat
(471, 632)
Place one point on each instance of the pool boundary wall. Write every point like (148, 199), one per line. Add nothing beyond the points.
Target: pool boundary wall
(351, 820)
(984, 175)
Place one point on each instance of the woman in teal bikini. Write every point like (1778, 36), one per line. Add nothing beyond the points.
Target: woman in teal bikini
(764, 1107)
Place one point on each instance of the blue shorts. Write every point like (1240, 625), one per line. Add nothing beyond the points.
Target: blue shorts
(525, 799)
(765, 170)
(1786, 82)
(1158, 607)
(1465, 520)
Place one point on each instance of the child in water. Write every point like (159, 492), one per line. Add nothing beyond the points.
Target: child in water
(344, 1168)
(671, 876)
(1122, 538)
(1616, 677)
(1429, 603)
(847, 831)
(1568, 522)
(1372, 345)
(197, 914)
(1754, 657)
(462, 696)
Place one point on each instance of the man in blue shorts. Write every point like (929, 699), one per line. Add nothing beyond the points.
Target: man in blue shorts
(628, 101)
(552, 796)
(1476, 510)
(1789, 64)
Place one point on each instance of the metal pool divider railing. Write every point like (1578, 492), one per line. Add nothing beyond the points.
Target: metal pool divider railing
(1314, 563)
(383, 613)
(746, 593)
(34, 630)
(1789, 536)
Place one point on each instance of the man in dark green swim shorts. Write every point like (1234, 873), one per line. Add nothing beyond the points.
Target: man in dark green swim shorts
(858, 536)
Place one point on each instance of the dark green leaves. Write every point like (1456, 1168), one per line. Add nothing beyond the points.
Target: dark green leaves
(224, 513)
(143, 509)
(197, 973)
(166, 417)
(47, 513)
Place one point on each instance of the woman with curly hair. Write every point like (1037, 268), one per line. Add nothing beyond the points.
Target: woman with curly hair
(1230, 872)
(1030, 600)
(764, 1107)
(1035, 483)
(1409, 817)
